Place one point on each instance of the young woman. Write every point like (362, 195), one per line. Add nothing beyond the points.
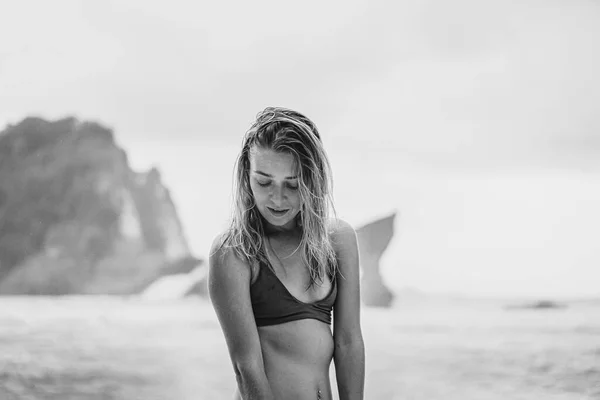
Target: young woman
(283, 266)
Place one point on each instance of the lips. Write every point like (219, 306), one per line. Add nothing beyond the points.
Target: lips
(278, 212)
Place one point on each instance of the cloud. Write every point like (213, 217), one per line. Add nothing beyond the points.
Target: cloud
(438, 80)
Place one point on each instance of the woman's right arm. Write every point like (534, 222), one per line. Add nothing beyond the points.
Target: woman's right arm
(229, 291)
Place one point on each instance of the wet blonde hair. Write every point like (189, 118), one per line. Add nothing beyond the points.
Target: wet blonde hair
(286, 131)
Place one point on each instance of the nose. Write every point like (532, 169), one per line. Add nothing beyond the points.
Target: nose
(277, 196)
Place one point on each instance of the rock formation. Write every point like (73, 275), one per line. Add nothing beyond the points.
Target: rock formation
(373, 240)
(74, 217)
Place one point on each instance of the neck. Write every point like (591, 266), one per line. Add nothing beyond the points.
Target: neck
(289, 229)
(277, 232)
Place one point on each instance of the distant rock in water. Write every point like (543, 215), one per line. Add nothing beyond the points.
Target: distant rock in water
(538, 305)
(373, 240)
(74, 217)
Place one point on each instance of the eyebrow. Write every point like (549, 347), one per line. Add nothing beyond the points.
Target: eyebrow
(271, 176)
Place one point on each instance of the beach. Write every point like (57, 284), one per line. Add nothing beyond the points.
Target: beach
(126, 348)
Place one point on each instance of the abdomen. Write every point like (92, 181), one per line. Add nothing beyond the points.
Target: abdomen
(297, 356)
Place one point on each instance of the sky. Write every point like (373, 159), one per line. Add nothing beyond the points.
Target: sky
(477, 121)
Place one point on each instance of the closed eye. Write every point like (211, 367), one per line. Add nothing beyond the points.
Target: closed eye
(290, 186)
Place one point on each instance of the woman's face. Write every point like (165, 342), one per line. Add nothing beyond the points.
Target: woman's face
(274, 185)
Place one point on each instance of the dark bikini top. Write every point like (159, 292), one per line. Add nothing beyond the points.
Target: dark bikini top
(273, 304)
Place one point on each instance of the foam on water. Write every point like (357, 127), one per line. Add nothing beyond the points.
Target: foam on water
(133, 348)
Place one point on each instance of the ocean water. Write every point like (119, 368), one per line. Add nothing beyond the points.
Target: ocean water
(126, 348)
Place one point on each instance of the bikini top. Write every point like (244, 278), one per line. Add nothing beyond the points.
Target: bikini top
(273, 304)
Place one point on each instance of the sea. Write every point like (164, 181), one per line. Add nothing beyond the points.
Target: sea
(130, 348)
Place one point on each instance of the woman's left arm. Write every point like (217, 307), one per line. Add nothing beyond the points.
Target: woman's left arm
(349, 351)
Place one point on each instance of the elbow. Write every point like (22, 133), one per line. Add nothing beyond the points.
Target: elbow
(245, 367)
(354, 345)
(247, 371)
(349, 340)
(251, 380)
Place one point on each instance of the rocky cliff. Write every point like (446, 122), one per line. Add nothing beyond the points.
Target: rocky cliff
(76, 219)
(373, 239)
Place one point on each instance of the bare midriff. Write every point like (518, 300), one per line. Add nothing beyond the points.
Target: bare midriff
(297, 356)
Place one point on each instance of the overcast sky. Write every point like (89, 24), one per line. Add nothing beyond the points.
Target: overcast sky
(424, 75)
(503, 94)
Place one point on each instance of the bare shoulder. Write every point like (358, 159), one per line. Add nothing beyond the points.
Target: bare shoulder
(223, 260)
(339, 225)
(343, 236)
(218, 247)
